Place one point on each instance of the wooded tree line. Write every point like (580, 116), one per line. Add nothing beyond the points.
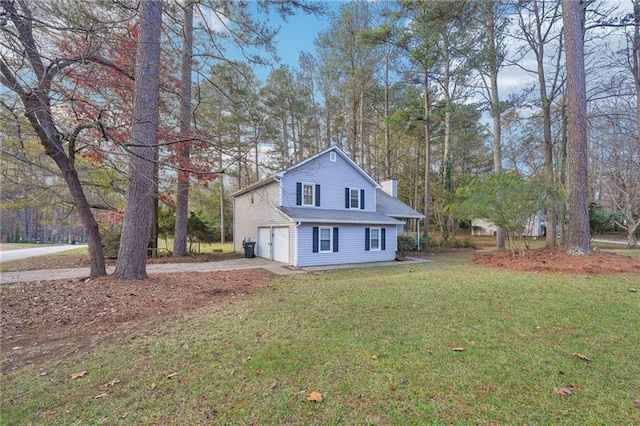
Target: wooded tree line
(422, 92)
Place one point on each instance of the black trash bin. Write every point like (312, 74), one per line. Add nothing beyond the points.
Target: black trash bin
(249, 249)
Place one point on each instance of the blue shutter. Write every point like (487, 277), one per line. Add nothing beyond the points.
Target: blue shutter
(346, 198)
(317, 195)
(383, 238)
(335, 239)
(366, 239)
(298, 193)
(316, 237)
(362, 199)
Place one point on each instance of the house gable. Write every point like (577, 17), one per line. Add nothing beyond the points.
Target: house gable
(324, 180)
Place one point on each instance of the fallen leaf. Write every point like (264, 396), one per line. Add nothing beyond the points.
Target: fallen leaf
(172, 375)
(102, 395)
(78, 374)
(562, 391)
(374, 356)
(582, 357)
(110, 383)
(392, 388)
(457, 349)
(636, 404)
(153, 385)
(472, 342)
(574, 387)
(315, 396)
(633, 290)
(124, 415)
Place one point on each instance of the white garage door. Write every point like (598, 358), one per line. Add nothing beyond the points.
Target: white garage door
(264, 243)
(281, 244)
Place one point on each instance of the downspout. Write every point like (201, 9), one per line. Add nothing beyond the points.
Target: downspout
(295, 243)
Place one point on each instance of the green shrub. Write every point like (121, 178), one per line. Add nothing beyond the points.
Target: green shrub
(453, 243)
(406, 243)
(111, 244)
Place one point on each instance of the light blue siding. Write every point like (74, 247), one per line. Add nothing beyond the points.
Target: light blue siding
(350, 243)
(333, 177)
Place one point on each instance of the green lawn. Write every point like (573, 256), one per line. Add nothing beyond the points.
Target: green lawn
(376, 343)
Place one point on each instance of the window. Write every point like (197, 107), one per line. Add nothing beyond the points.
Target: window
(332, 156)
(354, 198)
(307, 194)
(375, 239)
(325, 240)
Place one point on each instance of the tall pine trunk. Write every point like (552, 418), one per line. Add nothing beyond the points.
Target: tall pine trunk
(578, 238)
(495, 107)
(427, 158)
(182, 191)
(132, 257)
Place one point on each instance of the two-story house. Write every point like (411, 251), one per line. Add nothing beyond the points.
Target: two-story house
(321, 211)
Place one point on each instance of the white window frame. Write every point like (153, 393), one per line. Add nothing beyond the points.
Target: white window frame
(313, 194)
(351, 199)
(379, 239)
(330, 249)
(332, 156)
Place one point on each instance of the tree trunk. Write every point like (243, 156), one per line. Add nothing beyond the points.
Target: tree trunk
(132, 256)
(182, 191)
(635, 63)
(37, 106)
(427, 158)
(495, 108)
(579, 237)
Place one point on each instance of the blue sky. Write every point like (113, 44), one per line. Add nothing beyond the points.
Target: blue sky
(298, 33)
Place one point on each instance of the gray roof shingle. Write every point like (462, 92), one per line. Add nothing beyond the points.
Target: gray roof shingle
(390, 206)
(300, 214)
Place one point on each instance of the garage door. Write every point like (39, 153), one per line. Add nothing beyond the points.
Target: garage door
(281, 244)
(264, 243)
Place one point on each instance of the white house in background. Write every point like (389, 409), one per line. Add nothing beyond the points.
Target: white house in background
(535, 226)
(324, 210)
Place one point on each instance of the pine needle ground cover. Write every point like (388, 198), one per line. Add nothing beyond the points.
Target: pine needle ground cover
(437, 343)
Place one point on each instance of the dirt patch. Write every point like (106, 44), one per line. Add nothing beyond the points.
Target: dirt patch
(556, 260)
(57, 316)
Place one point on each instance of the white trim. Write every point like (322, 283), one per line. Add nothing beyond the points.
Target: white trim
(330, 249)
(313, 194)
(351, 199)
(379, 230)
(332, 156)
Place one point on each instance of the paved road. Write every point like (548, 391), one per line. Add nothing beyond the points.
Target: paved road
(9, 255)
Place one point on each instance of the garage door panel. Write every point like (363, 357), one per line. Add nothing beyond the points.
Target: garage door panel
(264, 243)
(281, 244)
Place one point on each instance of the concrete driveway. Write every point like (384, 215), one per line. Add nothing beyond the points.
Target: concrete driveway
(223, 265)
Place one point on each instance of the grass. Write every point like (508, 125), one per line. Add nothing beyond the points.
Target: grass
(376, 343)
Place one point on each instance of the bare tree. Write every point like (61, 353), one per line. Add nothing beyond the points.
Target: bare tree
(578, 238)
(132, 256)
(28, 73)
